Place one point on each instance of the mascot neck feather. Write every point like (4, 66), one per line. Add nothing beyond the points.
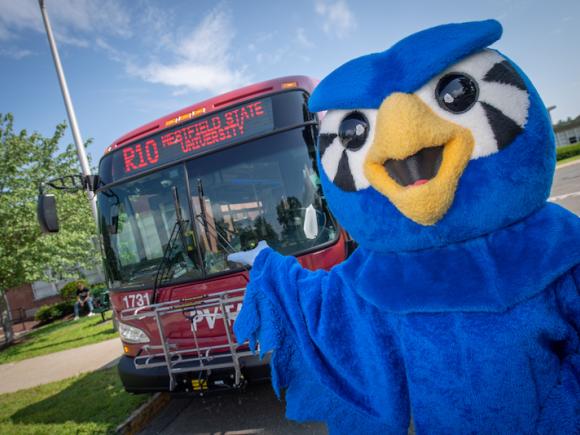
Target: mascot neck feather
(420, 155)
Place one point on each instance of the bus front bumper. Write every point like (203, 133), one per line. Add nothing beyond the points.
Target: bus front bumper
(156, 379)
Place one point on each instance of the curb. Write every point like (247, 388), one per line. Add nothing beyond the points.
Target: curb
(563, 165)
(139, 418)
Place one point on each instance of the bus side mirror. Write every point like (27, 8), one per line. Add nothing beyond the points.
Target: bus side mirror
(46, 213)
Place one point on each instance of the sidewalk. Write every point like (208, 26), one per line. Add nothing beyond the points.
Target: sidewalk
(56, 366)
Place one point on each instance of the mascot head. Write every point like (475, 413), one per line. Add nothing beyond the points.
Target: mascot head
(436, 140)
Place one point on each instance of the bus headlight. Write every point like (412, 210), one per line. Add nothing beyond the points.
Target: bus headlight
(130, 334)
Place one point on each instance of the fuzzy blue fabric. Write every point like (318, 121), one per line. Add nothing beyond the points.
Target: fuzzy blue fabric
(493, 191)
(469, 325)
(366, 81)
(481, 336)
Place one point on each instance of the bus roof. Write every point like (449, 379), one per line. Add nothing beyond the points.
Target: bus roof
(213, 104)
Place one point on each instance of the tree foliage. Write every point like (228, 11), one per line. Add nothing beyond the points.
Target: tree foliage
(25, 254)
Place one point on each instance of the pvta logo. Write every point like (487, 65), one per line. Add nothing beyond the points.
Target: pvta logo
(210, 315)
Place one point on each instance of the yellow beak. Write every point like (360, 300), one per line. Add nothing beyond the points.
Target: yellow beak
(405, 128)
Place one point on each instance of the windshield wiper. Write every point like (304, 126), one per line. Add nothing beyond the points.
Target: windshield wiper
(202, 216)
(166, 264)
(201, 197)
(179, 218)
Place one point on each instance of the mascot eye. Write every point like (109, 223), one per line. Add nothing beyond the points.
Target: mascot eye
(353, 131)
(456, 93)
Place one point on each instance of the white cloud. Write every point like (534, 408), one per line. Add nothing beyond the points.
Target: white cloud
(338, 18)
(302, 38)
(159, 26)
(111, 51)
(275, 56)
(188, 60)
(72, 21)
(15, 53)
(16, 16)
(202, 58)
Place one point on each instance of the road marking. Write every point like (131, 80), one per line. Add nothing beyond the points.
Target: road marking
(561, 197)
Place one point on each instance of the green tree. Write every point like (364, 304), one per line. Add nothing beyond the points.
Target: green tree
(25, 254)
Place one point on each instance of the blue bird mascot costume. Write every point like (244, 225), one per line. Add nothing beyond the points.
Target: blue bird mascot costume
(460, 307)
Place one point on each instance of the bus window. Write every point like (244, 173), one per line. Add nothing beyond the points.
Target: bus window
(137, 219)
(258, 191)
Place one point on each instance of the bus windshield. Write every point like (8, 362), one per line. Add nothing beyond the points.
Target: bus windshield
(259, 191)
(266, 189)
(137, 219)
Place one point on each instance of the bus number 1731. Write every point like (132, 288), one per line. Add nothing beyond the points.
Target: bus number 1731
(136, 300)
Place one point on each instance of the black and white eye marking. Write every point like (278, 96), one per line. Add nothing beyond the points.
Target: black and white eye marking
(343, 142)
(484, 94)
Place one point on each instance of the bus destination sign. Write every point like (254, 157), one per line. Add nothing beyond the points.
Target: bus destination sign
(216, 130)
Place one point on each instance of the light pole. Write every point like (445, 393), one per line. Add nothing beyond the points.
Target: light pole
(549, 109)
(82, 155)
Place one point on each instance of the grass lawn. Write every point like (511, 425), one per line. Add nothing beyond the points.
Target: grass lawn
(60, 335)
(93, 403)
(569, 159)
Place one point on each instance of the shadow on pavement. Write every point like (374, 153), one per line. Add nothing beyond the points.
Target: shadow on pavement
(254, 411)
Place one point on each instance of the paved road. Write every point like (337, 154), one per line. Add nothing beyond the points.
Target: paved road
(59, 365)
(253, 411)
(257, 410)
(566, 187)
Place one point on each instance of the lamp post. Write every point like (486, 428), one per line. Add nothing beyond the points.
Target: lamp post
(549, 109)
(82, 155)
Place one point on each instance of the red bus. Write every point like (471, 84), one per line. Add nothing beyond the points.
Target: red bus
(179, 194)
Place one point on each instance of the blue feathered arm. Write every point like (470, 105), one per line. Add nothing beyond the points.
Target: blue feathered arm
(483, 335)
(319, 347)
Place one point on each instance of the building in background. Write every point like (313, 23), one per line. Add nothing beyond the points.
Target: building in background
(26, 299)
(567, 132)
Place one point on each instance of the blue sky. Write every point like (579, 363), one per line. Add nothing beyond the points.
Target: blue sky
(129, 62)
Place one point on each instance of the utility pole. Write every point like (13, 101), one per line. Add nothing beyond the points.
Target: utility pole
(549, 109)
(6, 318)
(82, 155)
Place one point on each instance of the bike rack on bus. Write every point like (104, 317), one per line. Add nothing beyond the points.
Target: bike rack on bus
(196, 359)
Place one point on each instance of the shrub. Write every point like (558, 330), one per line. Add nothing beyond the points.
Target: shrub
(47, 314)
(567, 151)
(56, 312)
(50, 313)
(64, 308)
(44, 314)
(69, 291)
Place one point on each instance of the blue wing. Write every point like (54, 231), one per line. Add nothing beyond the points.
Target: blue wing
(334, 367)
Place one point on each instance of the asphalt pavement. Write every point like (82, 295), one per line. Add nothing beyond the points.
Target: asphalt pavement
(566, 186)
(257, 410)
